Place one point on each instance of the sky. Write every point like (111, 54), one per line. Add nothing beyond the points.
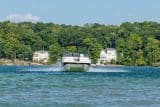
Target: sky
(79, 12)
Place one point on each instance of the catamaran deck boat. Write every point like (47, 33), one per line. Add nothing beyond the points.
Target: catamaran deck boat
(75, 62)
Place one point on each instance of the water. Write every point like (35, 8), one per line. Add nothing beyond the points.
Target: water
(46, 86)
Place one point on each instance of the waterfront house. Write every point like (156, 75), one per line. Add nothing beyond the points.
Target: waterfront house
(40, 57)
(107, 56)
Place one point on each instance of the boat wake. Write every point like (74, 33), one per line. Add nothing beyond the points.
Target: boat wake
(42, 69)
(107, 69)
(59, 69)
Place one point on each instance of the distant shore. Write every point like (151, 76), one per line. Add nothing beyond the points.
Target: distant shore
(26, 63)
(14, 62)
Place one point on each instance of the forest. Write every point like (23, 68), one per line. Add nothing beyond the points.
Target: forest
(137, 43)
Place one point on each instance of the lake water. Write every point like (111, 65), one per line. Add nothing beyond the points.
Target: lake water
(47, 86)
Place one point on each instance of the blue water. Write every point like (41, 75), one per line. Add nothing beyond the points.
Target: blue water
(47, 86)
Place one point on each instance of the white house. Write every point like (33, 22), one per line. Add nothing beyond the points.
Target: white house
(40, 57)
(108, 55)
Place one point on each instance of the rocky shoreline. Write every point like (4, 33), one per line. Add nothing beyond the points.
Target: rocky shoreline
(14, 62)
(23, 62)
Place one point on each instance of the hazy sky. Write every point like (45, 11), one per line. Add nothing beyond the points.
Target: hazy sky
(80, 12)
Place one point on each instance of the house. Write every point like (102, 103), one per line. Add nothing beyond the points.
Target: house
(40, 57)
(108, 55)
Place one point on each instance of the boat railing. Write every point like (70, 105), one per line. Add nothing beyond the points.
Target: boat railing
(75, 55)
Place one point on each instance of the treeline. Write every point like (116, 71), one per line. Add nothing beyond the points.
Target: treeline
(136, 43)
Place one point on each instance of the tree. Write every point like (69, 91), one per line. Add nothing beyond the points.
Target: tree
(2, 48)
(94, 49)
(11, 48)
(152, 50)
(54, 52)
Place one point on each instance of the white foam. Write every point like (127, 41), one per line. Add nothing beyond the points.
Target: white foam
(99, 69)
(59, 68)
(43, 69)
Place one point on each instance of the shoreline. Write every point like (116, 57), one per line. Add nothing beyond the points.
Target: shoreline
(18, 62)
(93, 65)
(14, 62)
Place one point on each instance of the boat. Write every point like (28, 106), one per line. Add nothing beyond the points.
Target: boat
(76, 62)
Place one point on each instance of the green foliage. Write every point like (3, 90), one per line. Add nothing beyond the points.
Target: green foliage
(152, 50)
(113, 61)
(54, 51)
(94, 48)
(137, 43)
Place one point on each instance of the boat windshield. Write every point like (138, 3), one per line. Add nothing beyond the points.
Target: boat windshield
(75, 55)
